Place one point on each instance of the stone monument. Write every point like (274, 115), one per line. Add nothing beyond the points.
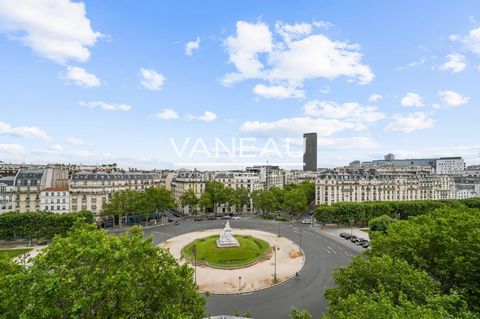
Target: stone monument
(226, 238)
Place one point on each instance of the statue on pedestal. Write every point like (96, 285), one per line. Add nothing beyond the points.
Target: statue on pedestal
(226, 238)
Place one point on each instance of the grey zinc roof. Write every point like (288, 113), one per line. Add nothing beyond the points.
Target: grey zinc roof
(7, 180)
(33, 175)
(89, 176)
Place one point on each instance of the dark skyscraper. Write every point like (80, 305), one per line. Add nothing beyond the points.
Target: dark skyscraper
(310, 154)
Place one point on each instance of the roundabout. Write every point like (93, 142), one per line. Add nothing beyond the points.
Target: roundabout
(261, 260)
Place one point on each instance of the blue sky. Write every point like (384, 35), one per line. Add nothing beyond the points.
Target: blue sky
(109, 81)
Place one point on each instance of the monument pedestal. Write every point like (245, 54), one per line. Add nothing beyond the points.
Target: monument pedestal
(226, 238)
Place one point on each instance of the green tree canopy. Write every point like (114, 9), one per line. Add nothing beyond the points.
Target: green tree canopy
(90, 274)
(295, 201)
(380, 223)
(189, 199)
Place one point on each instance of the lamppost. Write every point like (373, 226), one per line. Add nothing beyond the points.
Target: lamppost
(275, 264)
(300, 239)
(239, 282)
(278, 229)
(194, 251)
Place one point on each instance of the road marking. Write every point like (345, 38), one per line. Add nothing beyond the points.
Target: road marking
(332, 250)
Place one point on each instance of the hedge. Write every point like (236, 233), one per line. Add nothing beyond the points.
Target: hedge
(39, 225)
(346, 212)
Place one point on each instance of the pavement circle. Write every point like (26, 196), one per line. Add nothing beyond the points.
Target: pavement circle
(285, 263)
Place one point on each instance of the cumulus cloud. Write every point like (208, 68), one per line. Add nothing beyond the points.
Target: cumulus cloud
(81, 77)
(375, 97)
(76, 141)
(151, 79)
(291, 55)
(105, 106)
(56, 148)
(351, 111)
(58, 30)
(409, 122)
(471, 41)
(452, 98)
(23, 131)
(412, 99)
(455, 63)
(192, 46)
(167, 114)
(278, 92)
(12, 148)
(207, 116)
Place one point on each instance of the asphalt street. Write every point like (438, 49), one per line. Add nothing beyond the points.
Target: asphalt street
(323, 254)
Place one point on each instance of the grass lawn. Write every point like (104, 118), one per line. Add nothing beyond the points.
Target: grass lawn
(250, 249)
(12, 253)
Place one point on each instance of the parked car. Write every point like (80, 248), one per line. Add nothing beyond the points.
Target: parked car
(177, 222)
(236, 217)
(197, 219)
(366, 244)
(348, 236)
(355, 239)
(360, 241)
(342, 234)
(210, 217)
(226, 217)
(306, 221)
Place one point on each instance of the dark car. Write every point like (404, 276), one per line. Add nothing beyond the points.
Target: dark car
(361, 241)
(348, 236)
(197, 219)
(355, 239)
(210, 217)
(352, 238)
(342, 234)
(365, 244)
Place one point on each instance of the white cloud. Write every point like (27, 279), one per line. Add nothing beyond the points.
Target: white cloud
(207, 116)
(452, 98)
(350, 111)
(54, 29)
(409, 122)
(81, 77)
(151, 79)
(412, 99)
(471, 41)
(296, 54)
(325, 89)
(56, 148)
(455, 63)
(278, 92)
(12, 148)
(296, 126)
(412, 64)
(105, 106)
(76, 141)
(167, 114)
(192, 46)
(375, 97)
(23, 131)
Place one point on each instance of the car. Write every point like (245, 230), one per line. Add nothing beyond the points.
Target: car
(170, 220)
(198, 219)
(342, 234)
(353, 238)
(365, 244)
(177, 222)
(236, 217)
(361, 241)
(226, 217)
(210, 217)
(306, 221)
(347, 236)
(311, 212)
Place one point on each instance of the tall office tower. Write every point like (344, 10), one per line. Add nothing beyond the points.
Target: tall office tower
(310, 154)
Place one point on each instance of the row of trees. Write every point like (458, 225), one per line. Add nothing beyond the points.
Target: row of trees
(346, 212)
(91, 274)
(140, 203)
(292, 199)
(39, 225)
(425, 267)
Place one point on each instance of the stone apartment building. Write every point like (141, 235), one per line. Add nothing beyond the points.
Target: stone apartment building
(55, 200)
(185, 180)
(92, 190)
(27, 186)
(371, 185)
(6, 194)
(239, 179)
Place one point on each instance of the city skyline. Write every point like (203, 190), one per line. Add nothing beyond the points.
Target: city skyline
(128, 79)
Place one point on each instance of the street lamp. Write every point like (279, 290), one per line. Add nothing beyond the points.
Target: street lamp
(275, 263)
(278, 229)
(239, 282)
(300, 239)
(194, 251)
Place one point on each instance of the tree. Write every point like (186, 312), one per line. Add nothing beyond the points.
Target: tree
(90, 274)
(122, 203)
(157, 199)
(367, 286)
(295, 201)
(443, 243)
(242, 198)
(189, 199)
(214, 191)
(298, 314)
(205, 202)
(380, 223)
(265, 201)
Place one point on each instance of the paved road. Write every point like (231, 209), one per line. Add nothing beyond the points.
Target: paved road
(323, 254)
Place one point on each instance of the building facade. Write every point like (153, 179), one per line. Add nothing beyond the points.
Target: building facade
(55, 200)
(362, 186)
(310, 152)
(6, 194)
